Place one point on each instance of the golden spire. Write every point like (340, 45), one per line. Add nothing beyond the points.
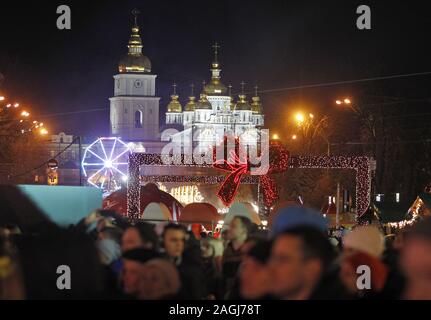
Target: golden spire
(215, 87)
(256, 106)
(174, 105)
(135, 41)
(135, 61)
(191, 104)
(215, 46)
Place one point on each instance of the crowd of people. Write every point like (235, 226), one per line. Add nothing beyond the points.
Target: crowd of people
(296, 258)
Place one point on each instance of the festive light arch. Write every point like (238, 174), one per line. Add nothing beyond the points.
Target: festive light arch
(360, 164)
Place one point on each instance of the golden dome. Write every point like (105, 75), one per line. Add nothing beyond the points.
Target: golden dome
(203, 103)
(134, 63)
(191, 104)
(134, 60)
(242, 104)
(256, 106)
(215, 87)
(174, 105)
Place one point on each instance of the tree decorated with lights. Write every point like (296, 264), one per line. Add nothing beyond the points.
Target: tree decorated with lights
(20, 138)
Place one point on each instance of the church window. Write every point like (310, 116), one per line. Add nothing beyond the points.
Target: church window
(138, 119)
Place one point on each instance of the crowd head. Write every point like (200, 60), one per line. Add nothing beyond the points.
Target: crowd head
(298, 258)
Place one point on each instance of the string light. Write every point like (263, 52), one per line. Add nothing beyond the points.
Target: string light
(278, 160)
(414, 212)
(361, 165)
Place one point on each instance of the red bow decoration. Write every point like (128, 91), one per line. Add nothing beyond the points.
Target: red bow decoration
(237, 163)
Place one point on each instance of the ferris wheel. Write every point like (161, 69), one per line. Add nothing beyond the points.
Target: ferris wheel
(105, 163)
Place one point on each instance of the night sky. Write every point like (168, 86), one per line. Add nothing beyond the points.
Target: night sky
(273, 44)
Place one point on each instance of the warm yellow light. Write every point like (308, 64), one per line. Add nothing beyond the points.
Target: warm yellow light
(294, 137)
(25, 114)
(299, 117)
(275, 136)
(338, 102)
(41, 124)
(43, 131)
(16, 105)
(8, 105)
(2, 98)
(311, 115)
(34, 121)
(347, 101)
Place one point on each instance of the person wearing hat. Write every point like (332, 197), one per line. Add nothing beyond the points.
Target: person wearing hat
(365, 246)
(296, 215)
(301, 263)
(367, 239)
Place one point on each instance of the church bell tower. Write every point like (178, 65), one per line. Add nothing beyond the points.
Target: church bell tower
(134, 109)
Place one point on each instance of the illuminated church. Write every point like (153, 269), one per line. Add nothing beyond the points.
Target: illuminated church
(216, 113)
(134, 109)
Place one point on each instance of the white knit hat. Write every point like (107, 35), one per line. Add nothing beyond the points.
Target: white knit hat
(367, 239)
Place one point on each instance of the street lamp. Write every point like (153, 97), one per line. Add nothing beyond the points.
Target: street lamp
(299, 117)
(294, 137)
(2, 98)
(275, 136)
(43, 131)
(346, 101)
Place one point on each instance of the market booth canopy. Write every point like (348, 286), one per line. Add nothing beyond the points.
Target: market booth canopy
(200, 212)
(156, 212)
(117, 200)
(242, 209)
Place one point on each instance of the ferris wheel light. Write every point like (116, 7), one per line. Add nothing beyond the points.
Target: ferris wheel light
(105, 162)
(108, 163)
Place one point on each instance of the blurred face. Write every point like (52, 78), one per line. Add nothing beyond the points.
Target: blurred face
(132, 271)
(206, 249)
(131, 240)
(416, 264)
(254, 279)
(174, 242)
(290, 272)
(152, 284)
(236, 230)
(348, 276)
